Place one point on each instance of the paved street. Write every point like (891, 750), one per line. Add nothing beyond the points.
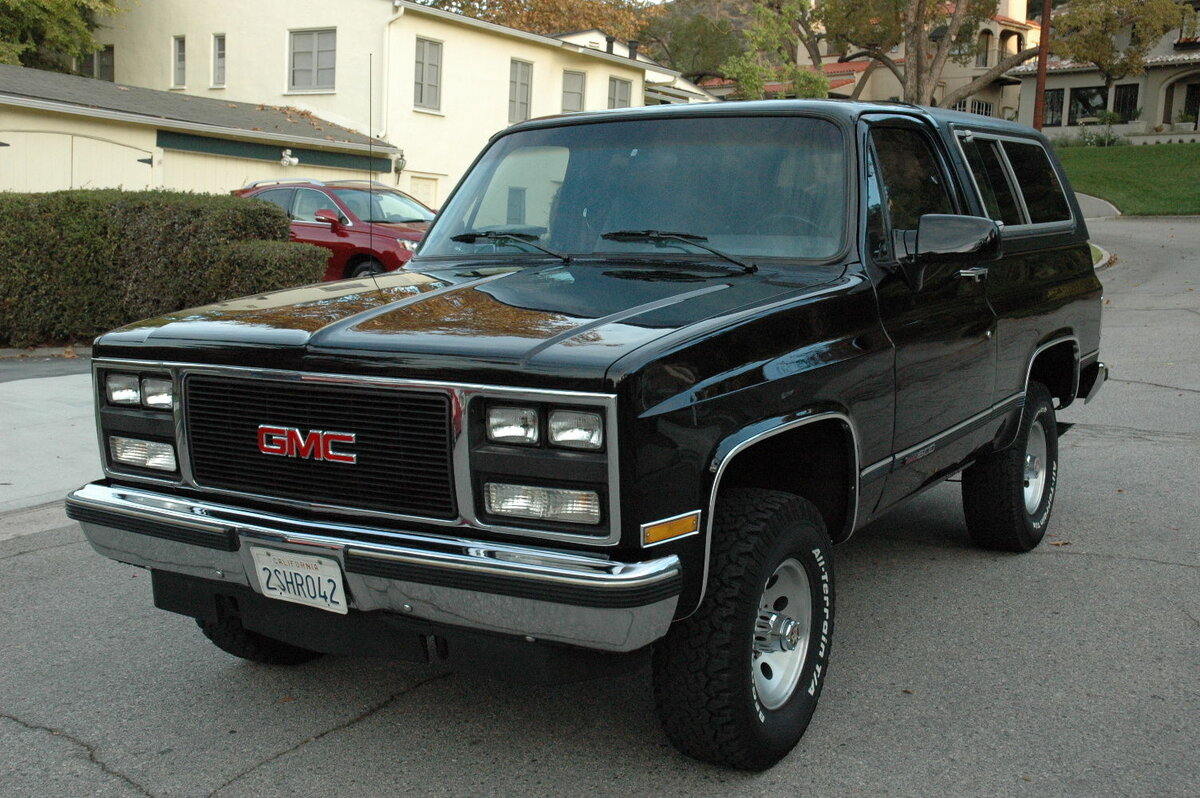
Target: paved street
(1072, 670)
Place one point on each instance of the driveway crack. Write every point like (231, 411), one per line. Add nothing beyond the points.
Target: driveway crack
(1156, 385)
(43, 548)
(91, 750)
(382, 705)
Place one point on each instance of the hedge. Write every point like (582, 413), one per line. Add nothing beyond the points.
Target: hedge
(74, 264)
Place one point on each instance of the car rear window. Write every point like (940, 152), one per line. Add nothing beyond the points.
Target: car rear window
(1044, 198)
(992, 179)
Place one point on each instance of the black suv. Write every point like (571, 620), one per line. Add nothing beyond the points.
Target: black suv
(647, 368)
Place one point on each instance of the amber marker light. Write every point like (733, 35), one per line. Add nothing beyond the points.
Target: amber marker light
(671, 528)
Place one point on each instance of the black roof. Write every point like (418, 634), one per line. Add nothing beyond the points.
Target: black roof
(89, 93)
(844, 110)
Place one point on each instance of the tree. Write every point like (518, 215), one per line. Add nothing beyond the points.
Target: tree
(47, 34)
(932, 34)
(621, 18)
(1115, 36)
(686, 39)
(779, 32)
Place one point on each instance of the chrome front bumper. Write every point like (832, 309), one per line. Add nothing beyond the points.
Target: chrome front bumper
(566, 597)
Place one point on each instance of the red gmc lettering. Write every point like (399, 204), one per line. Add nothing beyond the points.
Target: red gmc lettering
(312, 445)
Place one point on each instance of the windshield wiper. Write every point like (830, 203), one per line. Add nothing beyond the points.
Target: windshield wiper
(687, 238)
(494, 235)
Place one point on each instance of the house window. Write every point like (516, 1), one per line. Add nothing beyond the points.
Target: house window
(1086, 103)
(961, 105)
(179, 62)
(1052, 114)
(313, 61)
(985, 47)
(982, 108)
(100, 64)
(516, 205)
(1125, 102)
(520, 76)
(218, 78)
(573, 86)
(619, 92)
(427, 87)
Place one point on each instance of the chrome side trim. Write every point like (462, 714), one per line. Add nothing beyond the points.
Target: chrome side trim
(719, 466)
(578, 598)
(459, 394)
(980, 417)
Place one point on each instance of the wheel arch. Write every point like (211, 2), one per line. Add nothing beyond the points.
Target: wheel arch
(1055, 364)
(752, 457)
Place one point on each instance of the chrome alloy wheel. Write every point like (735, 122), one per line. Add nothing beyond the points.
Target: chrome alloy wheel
(1035, 467)
(781, 634)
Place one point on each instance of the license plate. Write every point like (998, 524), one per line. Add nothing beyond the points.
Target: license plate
(300, 578)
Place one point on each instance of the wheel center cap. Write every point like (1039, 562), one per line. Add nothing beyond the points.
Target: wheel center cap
(775, 631)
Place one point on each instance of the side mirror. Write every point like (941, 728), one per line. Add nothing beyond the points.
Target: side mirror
(328, 216)
(944, 238)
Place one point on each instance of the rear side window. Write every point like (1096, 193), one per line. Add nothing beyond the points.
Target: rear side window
(279, 196)
(992, 178)
(1044, 198)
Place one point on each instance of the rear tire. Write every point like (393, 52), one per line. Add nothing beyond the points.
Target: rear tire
(736, 684)
(1008, 495)
(231, 637)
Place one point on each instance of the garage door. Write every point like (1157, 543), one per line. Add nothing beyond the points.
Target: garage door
(46, 161)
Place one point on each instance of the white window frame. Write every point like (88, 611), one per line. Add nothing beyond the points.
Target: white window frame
(178, 62)
(582, 91)
(515, 100)
(316, 87)
(422, 86)
(614, 95)
(218, 60)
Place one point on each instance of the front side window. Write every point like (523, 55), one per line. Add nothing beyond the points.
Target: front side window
(218, 77)
(179, 62)
(751, 186)
(619, 92)
(913, 182)
(308, 202)
(1086, 103)
(1044, 198)
(1052, 114)
(573, 87)
(427, 91)
(520, 78)
(313, 60)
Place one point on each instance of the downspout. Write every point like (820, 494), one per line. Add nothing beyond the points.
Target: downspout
(385, 75)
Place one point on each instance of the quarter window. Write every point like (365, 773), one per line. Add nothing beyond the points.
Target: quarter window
(520, 76)
(619, 92)
(573, 87)
(179, 62)
(1044, 198)
(313, 60)
(428, 86)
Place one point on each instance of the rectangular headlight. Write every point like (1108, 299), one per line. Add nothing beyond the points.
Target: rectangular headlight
(158, 393)
(143, 454)
(517, 425)
(575, 430)
(122, 389)
(543, 504)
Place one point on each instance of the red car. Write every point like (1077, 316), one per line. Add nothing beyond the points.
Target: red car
(367, 226)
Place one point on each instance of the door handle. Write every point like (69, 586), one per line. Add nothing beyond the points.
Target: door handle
(975, 273)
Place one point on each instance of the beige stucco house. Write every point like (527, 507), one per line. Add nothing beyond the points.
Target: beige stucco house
(64, 131)
(433, 84)
(1150, 103)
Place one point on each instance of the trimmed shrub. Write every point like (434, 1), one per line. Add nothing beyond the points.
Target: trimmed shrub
(74, 264)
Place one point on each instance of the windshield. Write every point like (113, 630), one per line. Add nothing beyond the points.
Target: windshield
(750, 186)
(383, 205)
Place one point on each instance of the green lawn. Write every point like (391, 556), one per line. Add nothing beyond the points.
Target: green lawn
(1149, 180)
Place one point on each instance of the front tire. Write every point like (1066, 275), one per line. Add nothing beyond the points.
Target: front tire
(736, 683)
(366, 268)
(1008, 495)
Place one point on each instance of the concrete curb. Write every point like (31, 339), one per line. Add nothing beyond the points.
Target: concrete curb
(1106, 260)
(69, 351)
(1095, 207)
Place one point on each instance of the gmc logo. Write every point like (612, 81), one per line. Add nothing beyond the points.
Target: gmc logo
(312, 445)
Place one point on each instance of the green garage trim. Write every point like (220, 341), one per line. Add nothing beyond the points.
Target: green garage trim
(186, 142)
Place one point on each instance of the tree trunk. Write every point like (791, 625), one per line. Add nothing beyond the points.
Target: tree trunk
(987, 78)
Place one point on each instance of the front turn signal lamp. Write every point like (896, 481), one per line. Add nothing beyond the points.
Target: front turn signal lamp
(143, 454)
(542, 504)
